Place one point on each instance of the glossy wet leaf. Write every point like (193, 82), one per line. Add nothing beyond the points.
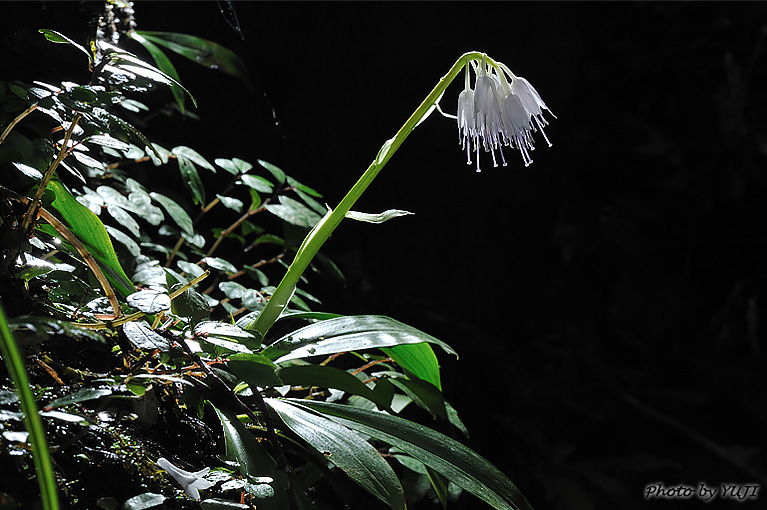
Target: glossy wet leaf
(454, 461)
(106, 140)
(142, 336)
(80, 395)
(57, 37)
(124, 219)
(192, 270)
(345, 449)
(351, 333)
(34, 267)
(234, 166)
(220, 264)
(194, 156)
(91, 232)
(164, 64)
(175, 211)
(257, 182)
(30, 172)
(294, 212)
(149, 301)
(276, 171)
(224, 330)
(144, 501)
(201, 51)
(234, 204)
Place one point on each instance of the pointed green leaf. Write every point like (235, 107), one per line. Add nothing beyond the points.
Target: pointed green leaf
(294, 212)
(351, 333)
(91, 232)
(193, 155)
(201, 51)
(57, 37)
(142, 336)
(418, 360)
(345, 449)
(456, 462)
(274, 170)
(163, 64)
(176, 212)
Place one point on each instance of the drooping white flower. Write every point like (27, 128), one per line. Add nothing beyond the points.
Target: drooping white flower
(191, 482)
(503, 115)
(465, 115)
(532, 102)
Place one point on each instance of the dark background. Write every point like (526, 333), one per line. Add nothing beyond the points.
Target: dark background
(608, 301)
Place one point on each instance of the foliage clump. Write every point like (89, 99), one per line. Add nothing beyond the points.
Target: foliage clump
(139, 335)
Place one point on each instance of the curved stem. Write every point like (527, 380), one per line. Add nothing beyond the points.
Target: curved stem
(15, 121)
(322, 230)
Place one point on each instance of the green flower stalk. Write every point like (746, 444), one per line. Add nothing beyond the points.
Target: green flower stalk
(14, 362)
(481, 115)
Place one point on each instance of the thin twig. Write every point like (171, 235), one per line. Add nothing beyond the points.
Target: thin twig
(236, 224)
(49, 174)
(87, 258)
(15, 121)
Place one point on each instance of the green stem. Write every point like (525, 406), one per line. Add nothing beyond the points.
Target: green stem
(16, 369)
(322, 230)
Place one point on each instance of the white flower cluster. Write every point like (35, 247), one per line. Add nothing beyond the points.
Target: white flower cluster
(498, 113)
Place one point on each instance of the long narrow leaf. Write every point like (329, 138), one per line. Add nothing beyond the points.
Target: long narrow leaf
(253, 459)
(352, 333)
(345, 449)
(201, 51)
(453, 460)
(16, 369)
(163, 64)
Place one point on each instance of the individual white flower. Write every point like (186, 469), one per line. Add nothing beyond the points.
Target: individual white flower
(190, 482)
(487, 114)
(466, 125)
(532, 102)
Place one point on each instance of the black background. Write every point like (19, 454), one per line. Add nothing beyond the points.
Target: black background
(608, 301)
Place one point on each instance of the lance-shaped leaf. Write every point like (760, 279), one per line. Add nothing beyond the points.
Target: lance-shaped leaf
(456, 462)
(346, 449)
(253, 459)
(149, 301)
(91, 232)
(350, 333)
(418, 360)
(57, 37)
(376, 218)
(201, 51)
